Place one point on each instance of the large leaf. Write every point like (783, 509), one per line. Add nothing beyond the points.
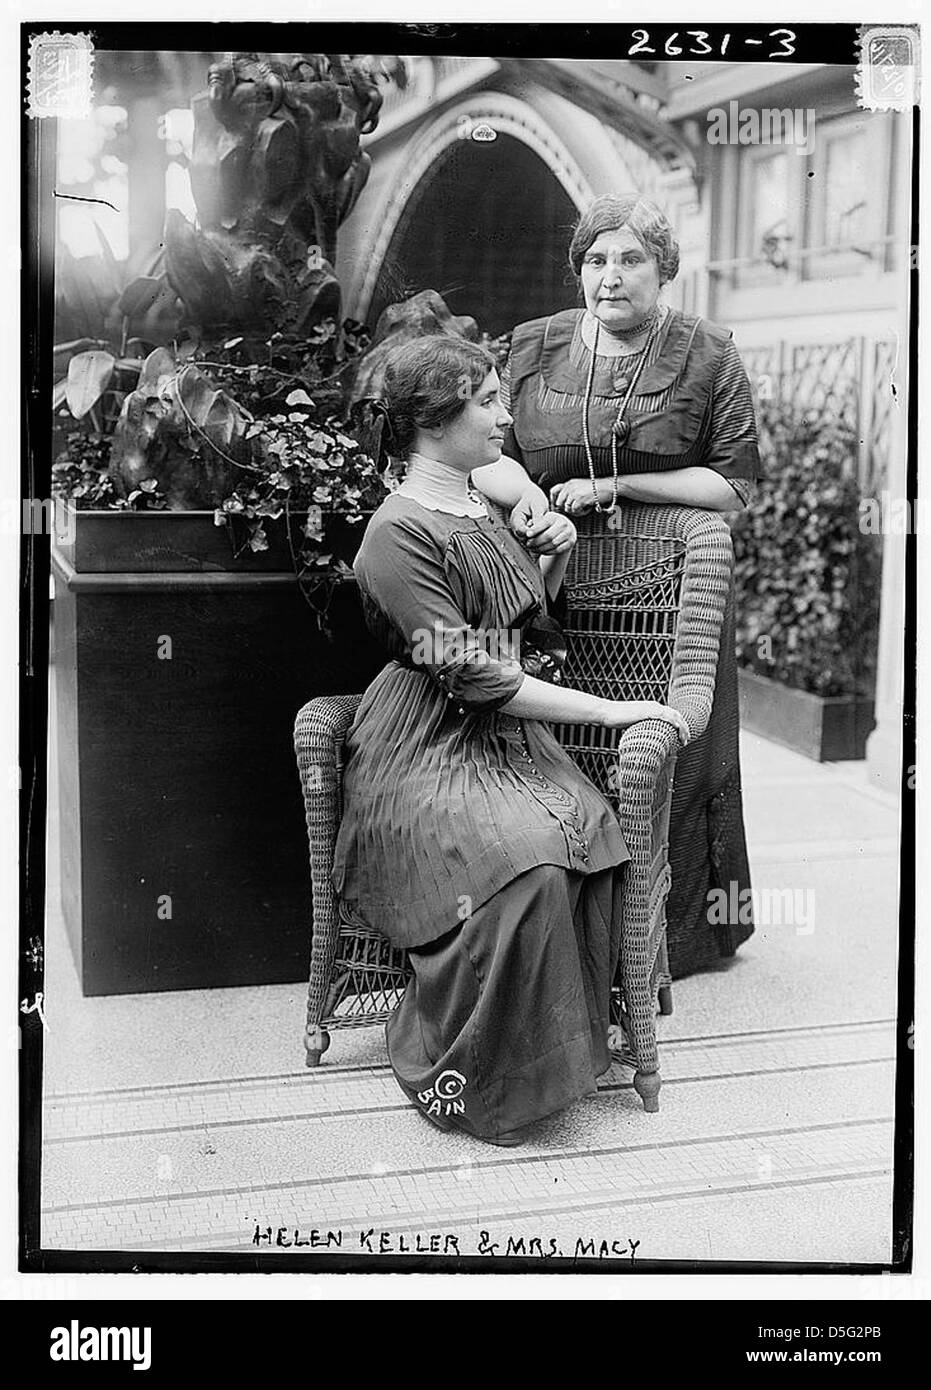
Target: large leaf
(147, 259)
(212, 411)
(158, 364)
(89, 376)
(114, 269)
(139, 296)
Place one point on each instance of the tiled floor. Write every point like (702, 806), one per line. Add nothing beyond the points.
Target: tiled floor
(187, 1122)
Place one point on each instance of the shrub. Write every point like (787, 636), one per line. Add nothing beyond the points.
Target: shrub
(807, 579)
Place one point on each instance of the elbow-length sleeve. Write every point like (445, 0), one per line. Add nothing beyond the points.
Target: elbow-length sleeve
(732, 441)
(405, 574)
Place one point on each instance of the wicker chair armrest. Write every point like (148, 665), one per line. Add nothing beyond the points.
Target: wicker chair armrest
(646, 764)
(702, 604)
(644, 747)
(319, 731)
(642, 752)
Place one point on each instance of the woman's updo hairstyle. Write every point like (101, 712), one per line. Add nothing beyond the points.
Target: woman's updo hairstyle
(426, 384)
(609, 213)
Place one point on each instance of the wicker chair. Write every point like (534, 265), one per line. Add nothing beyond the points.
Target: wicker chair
(645, 596)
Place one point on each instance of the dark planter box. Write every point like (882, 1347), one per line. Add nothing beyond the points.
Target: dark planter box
(828, 729)
(177, 776)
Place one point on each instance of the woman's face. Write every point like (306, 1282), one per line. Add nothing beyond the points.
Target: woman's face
(474, 436)
(620, 280)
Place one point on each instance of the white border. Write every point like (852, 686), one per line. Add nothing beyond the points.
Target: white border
(439, 1287)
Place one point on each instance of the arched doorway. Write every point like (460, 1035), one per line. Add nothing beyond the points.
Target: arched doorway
(488, 228)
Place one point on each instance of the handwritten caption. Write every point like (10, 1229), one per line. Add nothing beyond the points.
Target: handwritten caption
(376, 1241)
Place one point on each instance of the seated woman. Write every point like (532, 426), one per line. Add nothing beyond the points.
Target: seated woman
(468, 835)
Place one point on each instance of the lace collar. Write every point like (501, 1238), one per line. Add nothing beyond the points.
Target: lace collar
(439, 487)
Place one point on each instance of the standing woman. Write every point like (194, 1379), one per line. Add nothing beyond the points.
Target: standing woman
(628, 400)
(468, 836)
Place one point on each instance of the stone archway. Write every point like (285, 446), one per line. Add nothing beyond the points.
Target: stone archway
(426, 166)
(502, 221)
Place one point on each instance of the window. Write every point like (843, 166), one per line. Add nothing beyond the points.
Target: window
(844, 207)
(770, 233)
(815, 215)
(847, 205)
(767, 216)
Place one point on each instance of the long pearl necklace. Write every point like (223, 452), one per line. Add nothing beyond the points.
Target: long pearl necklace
(621, 427)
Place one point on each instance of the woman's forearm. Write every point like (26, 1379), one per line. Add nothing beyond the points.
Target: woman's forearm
(687, 487)
(536, 699)
(504, 482)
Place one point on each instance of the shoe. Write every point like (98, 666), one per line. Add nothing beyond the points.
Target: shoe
(509, 1140)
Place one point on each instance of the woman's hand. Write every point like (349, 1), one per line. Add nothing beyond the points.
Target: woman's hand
(620, 714)
(528, 509)
(577, 496)
(543, 531)
(551, 534)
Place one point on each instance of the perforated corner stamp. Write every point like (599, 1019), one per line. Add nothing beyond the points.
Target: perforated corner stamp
(887, 74)
(60, 78)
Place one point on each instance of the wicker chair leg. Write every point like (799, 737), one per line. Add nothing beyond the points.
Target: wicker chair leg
(665, 1000)
(316, 1042)
(647, 1084)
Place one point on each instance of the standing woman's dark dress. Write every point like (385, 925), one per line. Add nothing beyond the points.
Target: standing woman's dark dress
(692, 407)
(469, 836)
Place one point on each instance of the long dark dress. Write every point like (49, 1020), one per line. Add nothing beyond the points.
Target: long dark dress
(469, 836)
(692, 407)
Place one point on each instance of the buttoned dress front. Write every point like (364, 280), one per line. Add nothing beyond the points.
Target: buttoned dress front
(470, 837)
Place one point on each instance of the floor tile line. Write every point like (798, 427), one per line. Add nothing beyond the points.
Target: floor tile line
(354, 1112)
(486, 1165)
(492, 1216)
(317, 1075)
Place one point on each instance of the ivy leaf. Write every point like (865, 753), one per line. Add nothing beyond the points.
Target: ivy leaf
(313, 526)
(258, 540)
(299, 397)
(149, 484)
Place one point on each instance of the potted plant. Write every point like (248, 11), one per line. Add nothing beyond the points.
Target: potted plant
(807, 582)
(217, 497)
